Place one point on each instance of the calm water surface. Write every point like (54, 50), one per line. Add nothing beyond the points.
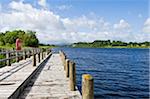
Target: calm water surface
(118, 73)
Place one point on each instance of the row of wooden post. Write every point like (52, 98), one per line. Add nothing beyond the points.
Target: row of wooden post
(28, 54)
(87, 79)
(41, 54)
(18, 58)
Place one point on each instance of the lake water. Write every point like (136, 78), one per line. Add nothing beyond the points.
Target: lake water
(118, 73)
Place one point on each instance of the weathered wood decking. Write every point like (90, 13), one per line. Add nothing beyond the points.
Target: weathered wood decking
(51, 83)
(45, 81)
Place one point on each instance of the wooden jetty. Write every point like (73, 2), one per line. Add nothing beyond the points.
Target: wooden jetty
(41, 74)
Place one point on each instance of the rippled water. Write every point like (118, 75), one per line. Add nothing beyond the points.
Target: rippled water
(118, 73)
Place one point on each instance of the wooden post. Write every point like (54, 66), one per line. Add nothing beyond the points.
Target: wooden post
(42, 54)
(24, 54)
(39, 57)
(34, 58)
(17, 56)
(67, 68)
(47, 51)
(87, 87)
(50, 51)
(8, 56)
(72, 76)
(28, 54)
(31, 53)
(21, 57)
(64, 61)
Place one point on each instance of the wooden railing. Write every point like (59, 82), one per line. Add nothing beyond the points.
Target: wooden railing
(11, 56)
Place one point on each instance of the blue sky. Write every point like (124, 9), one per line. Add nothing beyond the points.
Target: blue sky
(126, 20)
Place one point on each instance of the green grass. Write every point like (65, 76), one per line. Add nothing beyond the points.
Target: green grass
(7, 47)
(47, 46)
(13, 46)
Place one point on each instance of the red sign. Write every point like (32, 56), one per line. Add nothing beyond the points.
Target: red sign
(18, 44)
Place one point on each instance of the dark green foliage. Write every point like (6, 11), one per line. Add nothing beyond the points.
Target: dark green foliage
(119, 43)
(2, 63)
(28, 38)
(2, 42)
(109, 44)
(31, 39)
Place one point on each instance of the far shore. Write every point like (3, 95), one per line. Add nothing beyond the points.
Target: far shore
(115, 47)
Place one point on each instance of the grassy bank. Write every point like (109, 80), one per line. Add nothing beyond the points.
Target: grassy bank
(13, 46)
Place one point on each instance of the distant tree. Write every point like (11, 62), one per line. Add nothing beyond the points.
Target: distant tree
(31, 39)
(28, 38)
(2, 42)
(108, 43)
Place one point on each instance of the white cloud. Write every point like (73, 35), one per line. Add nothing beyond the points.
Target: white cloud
(86, 24)
(64, 7)
(146, 27)
(20, 6)
(42, 3)
(24, 16)
(122, 25)
(53, 29)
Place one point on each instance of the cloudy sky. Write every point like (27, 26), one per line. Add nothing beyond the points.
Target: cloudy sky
(69, 21)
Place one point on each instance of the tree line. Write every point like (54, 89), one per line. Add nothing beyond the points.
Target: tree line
(109, 43)
(28, 38)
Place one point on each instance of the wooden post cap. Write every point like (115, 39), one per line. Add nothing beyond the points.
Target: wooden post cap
(87, 77)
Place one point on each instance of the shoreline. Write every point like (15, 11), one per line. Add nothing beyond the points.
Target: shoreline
(115, 47)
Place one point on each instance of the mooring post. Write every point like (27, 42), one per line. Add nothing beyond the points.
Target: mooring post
(72, 76)
(63, 58)
(17, 56)
(34, 58)
(87, 86)
(8, 56)
(64, 61)
(67, 67)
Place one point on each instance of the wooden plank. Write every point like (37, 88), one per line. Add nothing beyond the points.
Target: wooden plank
(51, 83)
(13, 79)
